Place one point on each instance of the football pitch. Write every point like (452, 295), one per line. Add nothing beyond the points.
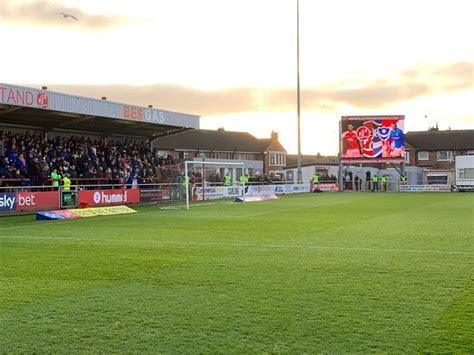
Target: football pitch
(308, 273)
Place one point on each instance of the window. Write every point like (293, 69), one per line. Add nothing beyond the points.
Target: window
(407, 157)
(466, 173)
(277, 159)
(423, 155)
(242, 156)
(445, 155)
(470, 152)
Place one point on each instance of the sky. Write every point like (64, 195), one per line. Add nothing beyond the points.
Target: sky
(233, 62)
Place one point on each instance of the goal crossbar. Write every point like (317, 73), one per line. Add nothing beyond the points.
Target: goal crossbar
(203, 164)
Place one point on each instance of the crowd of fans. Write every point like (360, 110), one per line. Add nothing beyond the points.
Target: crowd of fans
(31, 158)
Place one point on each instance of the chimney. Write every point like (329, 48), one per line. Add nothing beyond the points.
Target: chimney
(274, 136)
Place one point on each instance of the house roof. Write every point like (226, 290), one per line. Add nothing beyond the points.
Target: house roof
(267, 144)
(441, 140)
(220, 140)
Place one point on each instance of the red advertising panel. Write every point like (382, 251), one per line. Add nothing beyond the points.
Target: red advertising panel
(35, 201)
(326, 187)
(372, 139)
(109, 197)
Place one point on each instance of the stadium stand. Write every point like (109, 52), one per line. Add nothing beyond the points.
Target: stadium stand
(29, 159)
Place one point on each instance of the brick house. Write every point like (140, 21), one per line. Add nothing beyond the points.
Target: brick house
(266, 156)
(434, 151)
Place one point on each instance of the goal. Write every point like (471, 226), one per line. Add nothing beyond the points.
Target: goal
(213, 180)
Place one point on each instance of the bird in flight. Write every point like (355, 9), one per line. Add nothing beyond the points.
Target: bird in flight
(67, 15)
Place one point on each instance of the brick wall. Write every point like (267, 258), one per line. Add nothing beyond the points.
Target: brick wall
(433, 162)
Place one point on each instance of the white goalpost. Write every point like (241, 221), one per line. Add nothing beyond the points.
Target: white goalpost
(213, 180)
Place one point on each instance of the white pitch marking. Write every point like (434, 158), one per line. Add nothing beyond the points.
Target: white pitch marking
(217, 244)
(289, 209)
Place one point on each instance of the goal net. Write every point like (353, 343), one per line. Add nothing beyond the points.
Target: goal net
(214, 180)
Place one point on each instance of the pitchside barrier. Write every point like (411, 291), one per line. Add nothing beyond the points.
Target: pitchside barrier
(27, 199)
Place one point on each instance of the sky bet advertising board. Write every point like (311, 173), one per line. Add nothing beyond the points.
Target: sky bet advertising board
(28, 201)
(372, 139)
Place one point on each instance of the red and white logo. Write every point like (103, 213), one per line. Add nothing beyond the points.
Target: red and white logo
(363, 133)
(26, 200)
(97, 197)
(42, 100)
(34, 201)
(109, 197)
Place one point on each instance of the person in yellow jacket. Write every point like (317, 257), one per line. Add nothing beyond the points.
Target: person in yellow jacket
(383, 181)
(227, 180)
(314, 182)
(403, 180)
(375, 183)
(67, 196)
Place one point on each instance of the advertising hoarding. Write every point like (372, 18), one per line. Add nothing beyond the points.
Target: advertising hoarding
(326, 187)
(49, 100)
(426, 188)
(28, 201)
(156, 195)
(372, 139)
(35, 201)
(7, 202)
(109, 197)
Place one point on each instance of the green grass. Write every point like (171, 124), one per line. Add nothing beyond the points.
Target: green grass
(309, 273)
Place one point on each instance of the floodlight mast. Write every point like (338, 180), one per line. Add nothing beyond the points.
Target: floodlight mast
(298, 98)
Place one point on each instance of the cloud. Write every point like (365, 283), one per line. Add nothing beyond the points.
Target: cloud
(372, 94)
(460, 70)
(45, 13)
(378, 95)
(457, 76)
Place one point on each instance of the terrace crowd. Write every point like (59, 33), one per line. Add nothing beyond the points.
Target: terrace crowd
(31, 158)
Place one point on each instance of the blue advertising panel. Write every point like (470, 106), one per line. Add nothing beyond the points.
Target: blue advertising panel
(7, 202)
